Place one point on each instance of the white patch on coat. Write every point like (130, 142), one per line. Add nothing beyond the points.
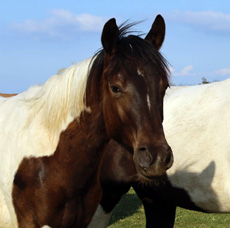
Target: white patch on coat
(140, 72)
(120, 76)
(4, 212)
(148, 102)
(100, 218)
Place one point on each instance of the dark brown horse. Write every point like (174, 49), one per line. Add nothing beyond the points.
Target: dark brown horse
(119, 173)
(123, 100)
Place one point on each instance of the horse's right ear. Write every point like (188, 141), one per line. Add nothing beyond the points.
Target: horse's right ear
(109, 36)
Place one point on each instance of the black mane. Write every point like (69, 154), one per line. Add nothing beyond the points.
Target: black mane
(139, 46)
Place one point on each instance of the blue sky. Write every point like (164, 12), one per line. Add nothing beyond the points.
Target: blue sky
(37, 38)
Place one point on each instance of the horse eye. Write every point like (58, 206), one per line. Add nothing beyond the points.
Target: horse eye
(115, 89)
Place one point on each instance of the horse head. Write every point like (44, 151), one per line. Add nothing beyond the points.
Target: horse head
(132, 87)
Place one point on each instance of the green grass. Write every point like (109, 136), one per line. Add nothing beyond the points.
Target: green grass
(129, 213)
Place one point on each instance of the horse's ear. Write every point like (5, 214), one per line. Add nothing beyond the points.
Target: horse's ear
(109, 36)
(157, 33)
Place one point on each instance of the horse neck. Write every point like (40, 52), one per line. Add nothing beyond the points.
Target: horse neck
(84, 139)
(81, 144)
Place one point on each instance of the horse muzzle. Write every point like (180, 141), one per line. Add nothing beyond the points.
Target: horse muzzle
(153, 161)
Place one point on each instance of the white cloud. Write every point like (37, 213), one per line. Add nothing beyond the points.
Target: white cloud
(184, 72)
(187, 71)
(86, 22)
(224, 71)
(207, 21)
(61, 23)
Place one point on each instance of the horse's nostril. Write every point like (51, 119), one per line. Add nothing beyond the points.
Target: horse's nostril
(143, 157)
(169, 159)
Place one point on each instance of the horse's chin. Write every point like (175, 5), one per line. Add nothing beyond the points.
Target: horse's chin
(152, 180)
(144, 178)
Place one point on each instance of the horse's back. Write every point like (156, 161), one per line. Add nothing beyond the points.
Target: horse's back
(197, 127)
(199, 110)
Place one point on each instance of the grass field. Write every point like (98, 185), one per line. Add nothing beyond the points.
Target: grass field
(129, 213)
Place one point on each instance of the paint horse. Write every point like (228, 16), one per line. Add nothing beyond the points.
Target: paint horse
(197, 127)
(53, 136)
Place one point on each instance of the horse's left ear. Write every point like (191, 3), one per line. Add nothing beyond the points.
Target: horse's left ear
(157, 33)
(109, 36)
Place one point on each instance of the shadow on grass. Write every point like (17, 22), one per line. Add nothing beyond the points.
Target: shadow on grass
(128, 206)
